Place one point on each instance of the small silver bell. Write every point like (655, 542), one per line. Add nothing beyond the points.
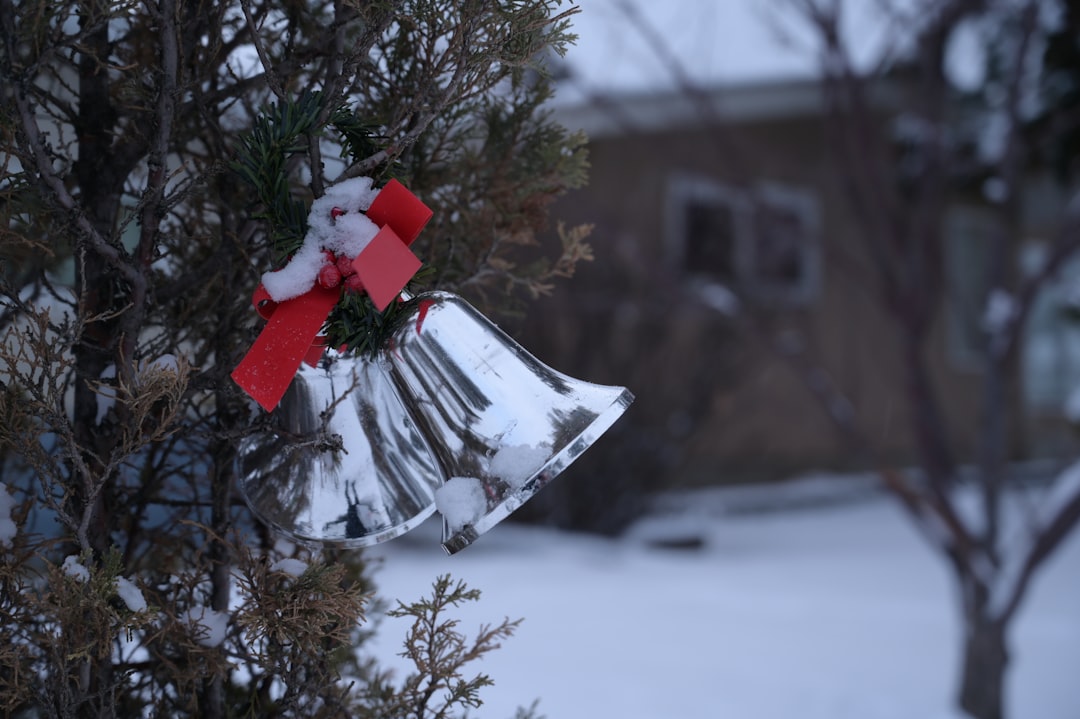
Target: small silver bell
(500, 423)
(378, 486)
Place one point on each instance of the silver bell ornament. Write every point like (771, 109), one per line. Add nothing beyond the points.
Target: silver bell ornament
(450, 413)
(501, 424)
(377, 485)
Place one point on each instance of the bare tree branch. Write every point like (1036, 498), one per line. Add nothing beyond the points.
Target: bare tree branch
(46, 174)
(273, 81)
(1057, 516)
(154, 206)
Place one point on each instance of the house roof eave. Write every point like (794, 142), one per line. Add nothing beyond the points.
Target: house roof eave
(600, 114)
(603, 114)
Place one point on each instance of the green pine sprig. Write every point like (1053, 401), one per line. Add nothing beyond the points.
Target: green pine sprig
(262, 160)
(355, 323)
(358, 137)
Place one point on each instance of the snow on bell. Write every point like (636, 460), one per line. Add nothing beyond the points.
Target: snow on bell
(378, 484)
(501, 423)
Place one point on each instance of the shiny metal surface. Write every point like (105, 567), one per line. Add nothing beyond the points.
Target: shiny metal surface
(490, 410)
(381, 485)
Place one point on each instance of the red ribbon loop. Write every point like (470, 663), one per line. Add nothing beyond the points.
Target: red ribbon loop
(291, 334)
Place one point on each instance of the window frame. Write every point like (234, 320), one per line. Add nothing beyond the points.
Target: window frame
(966, 230)
(685, 189)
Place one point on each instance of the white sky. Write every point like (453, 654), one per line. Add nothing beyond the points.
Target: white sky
(726, 40)
(714, 41)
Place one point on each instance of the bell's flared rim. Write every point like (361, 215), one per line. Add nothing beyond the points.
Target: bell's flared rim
(562, 459)
(318, 492)
(317, 540)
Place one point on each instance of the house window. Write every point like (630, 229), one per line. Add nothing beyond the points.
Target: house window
(710, 239)
(780, 233)
(1051, 350)
(762, 244)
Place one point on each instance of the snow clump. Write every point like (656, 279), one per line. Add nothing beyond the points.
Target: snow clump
(720, 298)
(75, 570)
(208, 627)
(130, 595)
(516, 464)
(999, 312)
(336, 223)
(8, 530)
(290, 566)
(461, 501)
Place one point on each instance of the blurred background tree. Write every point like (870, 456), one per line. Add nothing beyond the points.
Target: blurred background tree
(926, 133)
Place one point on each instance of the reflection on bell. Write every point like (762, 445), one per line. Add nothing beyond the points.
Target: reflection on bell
(500, 423)
(380, 486)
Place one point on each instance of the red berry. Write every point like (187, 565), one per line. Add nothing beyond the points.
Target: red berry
(353, 283)
(344, 265)
(329, 277)
(336, 212)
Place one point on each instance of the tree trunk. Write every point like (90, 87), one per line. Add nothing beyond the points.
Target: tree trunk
(985, 660)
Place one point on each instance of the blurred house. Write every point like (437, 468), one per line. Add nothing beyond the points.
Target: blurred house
(732, 295)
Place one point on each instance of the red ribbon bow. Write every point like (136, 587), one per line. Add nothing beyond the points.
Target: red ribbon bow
(291, 334)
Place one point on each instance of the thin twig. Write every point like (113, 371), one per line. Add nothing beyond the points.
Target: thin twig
(272, 79)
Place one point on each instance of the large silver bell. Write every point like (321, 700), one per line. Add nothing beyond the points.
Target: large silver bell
(381, 482)
(501, 423)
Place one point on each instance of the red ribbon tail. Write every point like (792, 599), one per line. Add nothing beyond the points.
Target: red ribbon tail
(421, 313)
(269, 366)
(315, 352)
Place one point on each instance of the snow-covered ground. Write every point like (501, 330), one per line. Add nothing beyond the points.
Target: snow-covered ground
(837, 611)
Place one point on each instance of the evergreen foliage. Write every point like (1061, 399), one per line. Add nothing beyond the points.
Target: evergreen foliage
(263, 162)
(157, 158)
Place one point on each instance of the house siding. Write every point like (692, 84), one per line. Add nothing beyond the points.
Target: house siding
(630, 318)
